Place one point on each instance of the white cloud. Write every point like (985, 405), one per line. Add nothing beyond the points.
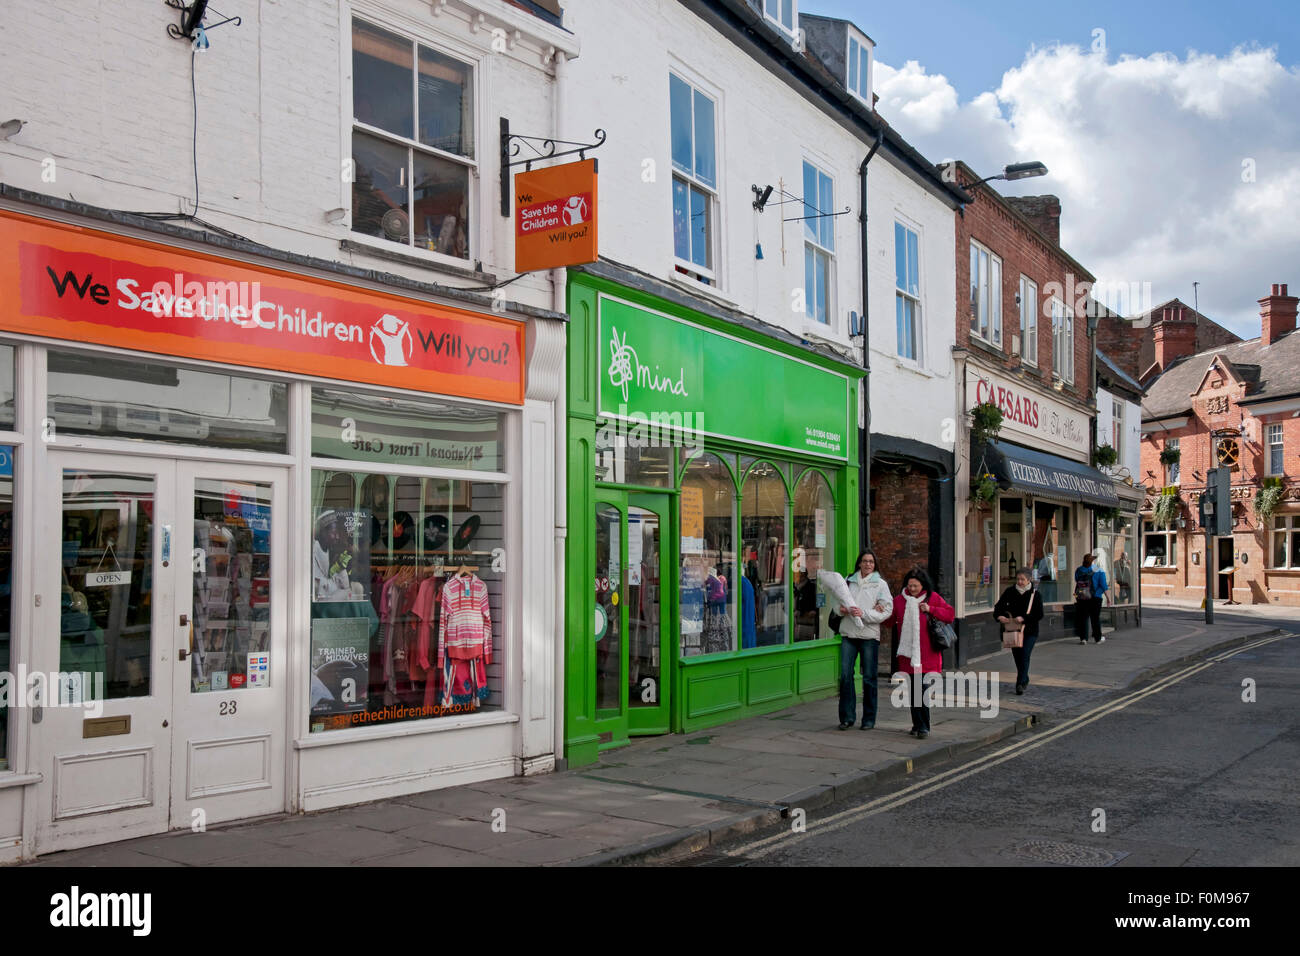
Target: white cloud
(1147, 156)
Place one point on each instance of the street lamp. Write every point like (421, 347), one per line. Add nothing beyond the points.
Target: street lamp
(1013, 172)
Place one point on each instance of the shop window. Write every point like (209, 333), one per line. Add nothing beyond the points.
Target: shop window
(980, 555)
(1285, 553)
(608, 582)
(763, 509)
(709, 578)
(813, 537)
(361, 426)
(1159, 547)
(1114, 555)
(634, 453)
(6, 390)
(1052, 569)
(907, 292)
(151, 401)
(408, 581)
(695, 178)
(985, 295)
(819, 243)
(412, 142)
(1011, 541)
(6, 585)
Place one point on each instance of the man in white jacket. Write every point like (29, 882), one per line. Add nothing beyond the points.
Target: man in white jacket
(860, 638)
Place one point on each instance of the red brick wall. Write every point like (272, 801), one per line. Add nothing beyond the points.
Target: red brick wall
(1023, 252)
(900, 522)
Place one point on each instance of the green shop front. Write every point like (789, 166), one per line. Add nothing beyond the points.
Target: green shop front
(711, 474)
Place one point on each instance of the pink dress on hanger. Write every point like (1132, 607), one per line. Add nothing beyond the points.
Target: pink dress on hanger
(465, 641)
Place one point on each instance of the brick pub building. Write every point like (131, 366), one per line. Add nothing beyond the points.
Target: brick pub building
(1235, 406)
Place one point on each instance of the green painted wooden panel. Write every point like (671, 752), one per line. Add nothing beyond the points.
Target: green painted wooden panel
(819, 673)
(712, 693)
(773, 682)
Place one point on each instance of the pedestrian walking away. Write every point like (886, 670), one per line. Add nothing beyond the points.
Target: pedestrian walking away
(917, 658)
(860, 638)
(1087, 600)
(1021, 608)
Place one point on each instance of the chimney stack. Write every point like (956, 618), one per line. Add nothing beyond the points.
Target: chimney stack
(1175, 335)
(1043, 212)
(1278, 312)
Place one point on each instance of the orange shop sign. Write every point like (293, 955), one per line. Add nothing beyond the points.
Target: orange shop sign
(83, 285)
(555, 216)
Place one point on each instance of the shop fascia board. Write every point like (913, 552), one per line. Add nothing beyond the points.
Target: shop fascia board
(977, 363)
(617, 279)
(253, 254)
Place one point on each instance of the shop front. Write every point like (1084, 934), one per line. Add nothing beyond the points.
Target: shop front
(265, 537)
(712, 476)
(1038, 512)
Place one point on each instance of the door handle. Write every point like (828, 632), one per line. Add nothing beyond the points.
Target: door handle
(185, 619)
(182, 654)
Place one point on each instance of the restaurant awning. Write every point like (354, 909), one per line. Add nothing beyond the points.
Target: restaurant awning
(1038, 473)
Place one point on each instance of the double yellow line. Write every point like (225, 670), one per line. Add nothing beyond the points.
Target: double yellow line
(761, 848)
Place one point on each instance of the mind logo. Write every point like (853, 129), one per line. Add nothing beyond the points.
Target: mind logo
(391, 342)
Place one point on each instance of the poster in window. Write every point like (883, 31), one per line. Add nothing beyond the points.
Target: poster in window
(340, 664)
(692, 519)
(819, 529)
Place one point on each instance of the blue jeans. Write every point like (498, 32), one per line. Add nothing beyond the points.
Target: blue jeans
(851, 648)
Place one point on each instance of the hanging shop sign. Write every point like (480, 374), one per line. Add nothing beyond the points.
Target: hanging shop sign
(87, 286)
(1034, 417)
(555, 216)
(674, 380)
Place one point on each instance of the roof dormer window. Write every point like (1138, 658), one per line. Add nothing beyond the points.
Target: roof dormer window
(784, 13)
(858, 70)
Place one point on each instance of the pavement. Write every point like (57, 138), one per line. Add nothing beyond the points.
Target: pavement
(666, 797)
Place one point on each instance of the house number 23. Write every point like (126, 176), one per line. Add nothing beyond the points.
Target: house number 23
(227, 708)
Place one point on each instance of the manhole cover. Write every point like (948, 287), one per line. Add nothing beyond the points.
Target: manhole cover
(1065, 854)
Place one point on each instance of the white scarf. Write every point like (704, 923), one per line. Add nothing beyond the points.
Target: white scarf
(909, 644)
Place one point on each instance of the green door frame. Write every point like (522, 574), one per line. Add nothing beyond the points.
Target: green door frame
(616, 725)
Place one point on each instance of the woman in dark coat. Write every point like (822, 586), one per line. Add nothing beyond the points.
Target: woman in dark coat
(1022, 604)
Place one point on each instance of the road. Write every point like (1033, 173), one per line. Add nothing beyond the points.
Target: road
(1186, 770)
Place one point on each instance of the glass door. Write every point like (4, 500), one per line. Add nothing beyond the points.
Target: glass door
(105, 647)
(632, 613)
(230, 671)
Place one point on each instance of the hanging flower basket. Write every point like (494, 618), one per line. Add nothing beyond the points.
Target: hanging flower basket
(985, 423)
(1106, 456)
(1170, 456)
(1167, 509)
(983, 489)
(1267, 500)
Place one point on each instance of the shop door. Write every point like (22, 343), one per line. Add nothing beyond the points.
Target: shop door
(133, 735)
(1224, 586)
(635, 586)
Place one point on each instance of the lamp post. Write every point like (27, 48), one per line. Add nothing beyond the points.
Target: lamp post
(1012, 173)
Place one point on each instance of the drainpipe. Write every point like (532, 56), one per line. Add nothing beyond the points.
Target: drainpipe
(864, 446)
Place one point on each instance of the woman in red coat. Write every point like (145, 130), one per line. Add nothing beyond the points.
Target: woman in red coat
(916, 658)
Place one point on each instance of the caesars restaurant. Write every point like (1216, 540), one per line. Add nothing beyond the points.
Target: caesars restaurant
(264, 546)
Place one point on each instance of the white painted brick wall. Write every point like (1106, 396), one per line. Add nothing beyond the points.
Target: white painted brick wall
(765, 130)
(106, 94)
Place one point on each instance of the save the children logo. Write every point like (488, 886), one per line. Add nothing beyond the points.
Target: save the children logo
(625, 366)
(391, 342)
(574, 212)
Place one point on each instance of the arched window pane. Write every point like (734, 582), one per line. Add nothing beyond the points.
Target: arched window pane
(708, 554)
(762, 520)
(814, 549)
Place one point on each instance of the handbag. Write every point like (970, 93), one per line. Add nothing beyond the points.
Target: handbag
(833, 622)
(942, 636)
(1015, 636)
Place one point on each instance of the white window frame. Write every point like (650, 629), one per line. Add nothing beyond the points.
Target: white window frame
(811, 207)
(1062, 340)
(1117, 429)
(1028, 321)
(1273, 432)
(1289, 526)
(475, 238)
(711, 275)
(987, 297)
(918, 338)
(852, 81)
(793, 29)
(1175, 470)
(1171, 544)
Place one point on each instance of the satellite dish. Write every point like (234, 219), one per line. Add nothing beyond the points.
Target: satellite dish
(395, 224)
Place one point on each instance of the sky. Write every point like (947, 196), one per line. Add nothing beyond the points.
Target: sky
(1171, 129)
